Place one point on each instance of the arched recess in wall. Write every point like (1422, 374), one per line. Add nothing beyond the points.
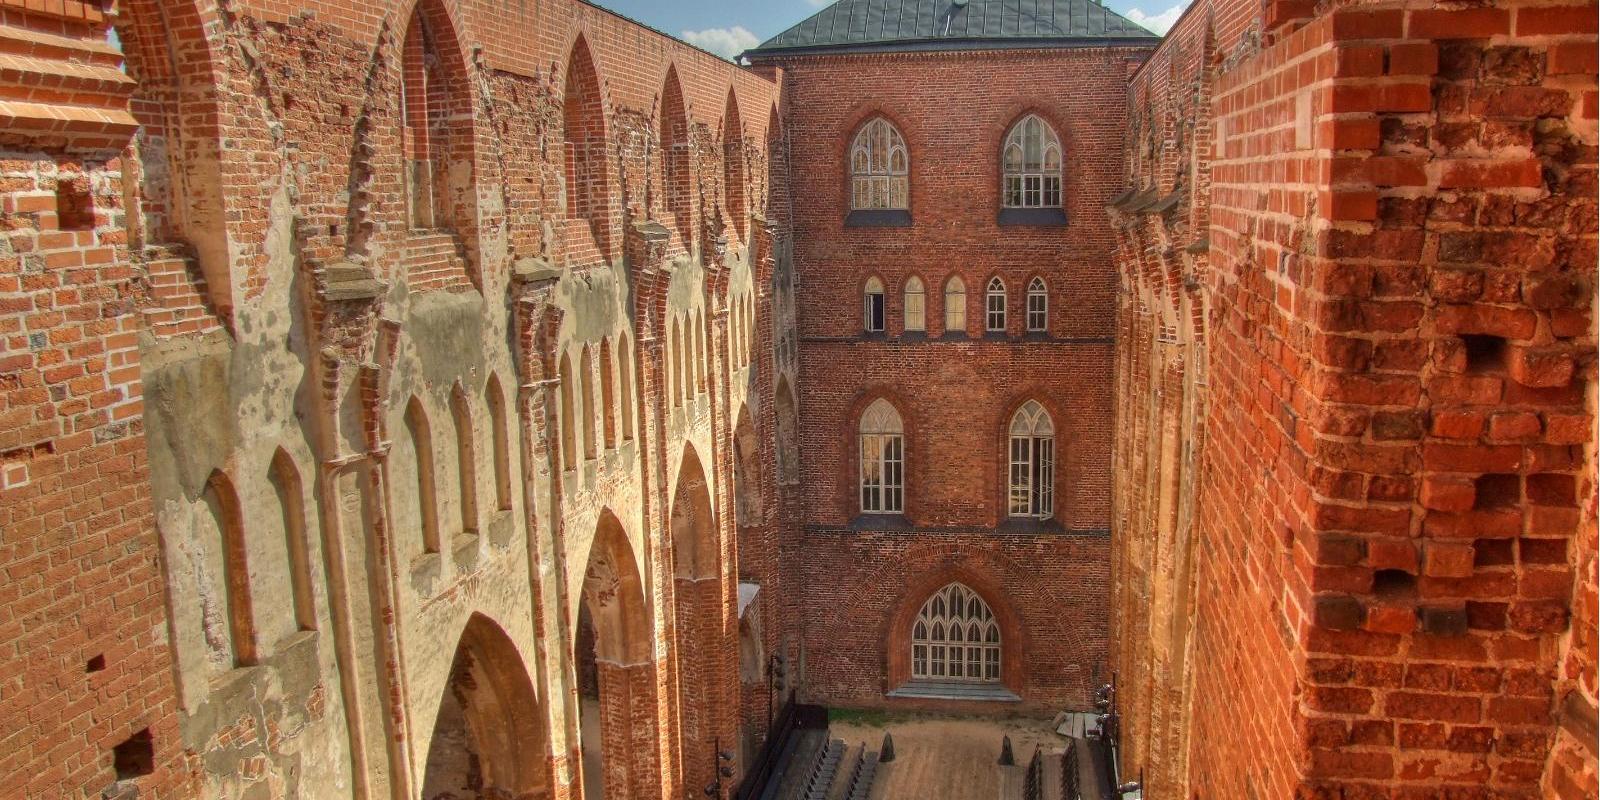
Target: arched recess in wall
(176, 193)
(489, 737)
(420, 436)
(608, 406)
(584, 128)
(569, 425)
(697, 607)
(437, 133)
(787, 419)
(746, 471)
(777, 165)
(466, 458)
(586, 401)
(625, 379)
(677, 183)
(286, 484)
(500, 441)
(223, 503)
(616, 674)
(733, 165)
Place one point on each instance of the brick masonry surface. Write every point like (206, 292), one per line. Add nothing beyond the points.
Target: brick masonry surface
(1355, 462)
(955, 391)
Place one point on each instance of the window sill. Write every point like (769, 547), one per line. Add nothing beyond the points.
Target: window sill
(1032, 217)
(1029, 525)
(874, 335)
(995, 336)
(880, 522)
(878, 218)
(954, 336)
(956, 690)
(913, 336)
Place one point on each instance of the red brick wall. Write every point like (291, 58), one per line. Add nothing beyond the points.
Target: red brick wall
(1389, 503)
(954, 397)
(85, 660)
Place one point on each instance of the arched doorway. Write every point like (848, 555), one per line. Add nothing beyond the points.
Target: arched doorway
(616, 675)
(489, 736)
(697, 594)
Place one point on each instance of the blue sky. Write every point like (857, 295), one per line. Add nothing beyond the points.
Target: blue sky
(730, 26)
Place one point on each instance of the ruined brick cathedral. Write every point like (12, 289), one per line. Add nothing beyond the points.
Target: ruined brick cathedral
(503, 399)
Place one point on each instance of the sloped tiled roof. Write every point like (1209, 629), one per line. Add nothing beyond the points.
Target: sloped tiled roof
(884, 25)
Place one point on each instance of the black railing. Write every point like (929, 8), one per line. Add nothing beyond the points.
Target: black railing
(1069, 772)
(1033, 786)
(755, 778)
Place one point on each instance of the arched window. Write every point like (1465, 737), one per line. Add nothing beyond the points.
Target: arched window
(879, 164)
(995, 304)
(956, 638)
(872, 306)
(1032, 165)
(882, 460)
(1032, 477)
(1038, 305)
(916, 305)
(955, 305)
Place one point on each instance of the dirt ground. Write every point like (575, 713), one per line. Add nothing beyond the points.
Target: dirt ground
(945, 758)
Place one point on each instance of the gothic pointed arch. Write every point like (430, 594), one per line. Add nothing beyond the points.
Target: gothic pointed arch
(698, 617)
(616, 672)
(677, 181)
(734, 168)
(583, 119)
(489, 737)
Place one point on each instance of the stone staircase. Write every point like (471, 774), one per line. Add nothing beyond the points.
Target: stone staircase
(178, 303)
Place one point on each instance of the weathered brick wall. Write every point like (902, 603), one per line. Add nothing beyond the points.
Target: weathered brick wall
(955, 392)
(366, 538)
(87, 672)
(1395, 259)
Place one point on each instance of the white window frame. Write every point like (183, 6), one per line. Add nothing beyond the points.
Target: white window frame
(873, 313)
(1030, 477)
(1038, 305)
(951, 644)
(994, 315)
(880, 166)
(955, 308)
(1030, 165)
(916, 305)
(882, 450)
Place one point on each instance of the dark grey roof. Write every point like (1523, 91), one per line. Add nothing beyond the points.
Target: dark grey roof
(881, 25)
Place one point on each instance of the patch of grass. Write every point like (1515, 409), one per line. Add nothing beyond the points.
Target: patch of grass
(865, 717)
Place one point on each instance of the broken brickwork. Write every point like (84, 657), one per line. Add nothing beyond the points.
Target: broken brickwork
(354, 355)
(1355, 470)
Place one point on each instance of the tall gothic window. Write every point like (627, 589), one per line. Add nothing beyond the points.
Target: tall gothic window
(995, 305)
(882, 460)
(1038, 305)
(872, 306)
(1032, 165)
(1032, 474)
(956, 638)
(879, 164)
(916, 304)
(955, 305)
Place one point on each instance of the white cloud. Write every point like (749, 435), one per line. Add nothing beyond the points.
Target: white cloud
(1161, 22)
(725, 42)
(819, 3)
